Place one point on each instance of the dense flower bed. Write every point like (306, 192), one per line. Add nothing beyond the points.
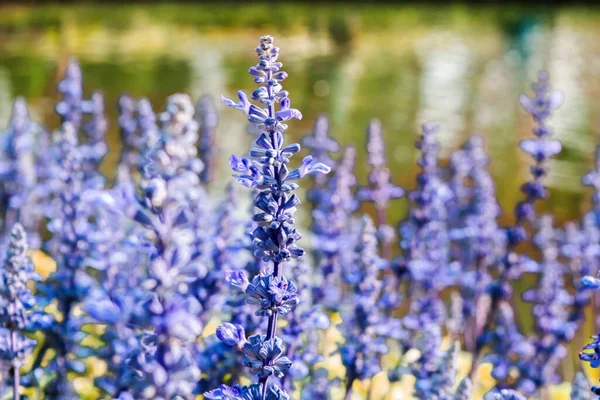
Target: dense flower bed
(162, 292)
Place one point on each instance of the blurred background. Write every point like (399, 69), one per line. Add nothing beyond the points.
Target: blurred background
(462, 66)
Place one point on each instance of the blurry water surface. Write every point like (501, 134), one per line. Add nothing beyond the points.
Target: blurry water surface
(462, 67)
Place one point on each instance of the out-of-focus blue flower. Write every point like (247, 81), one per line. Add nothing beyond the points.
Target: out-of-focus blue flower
(365, 344)
(332, 217)
(71, 107)
(380, 190)
(425, 242)
(510, 349)
(464, 391)
(169, 312)
(23, 168)
(70, 284)
(435, 370)
(478, 242)
(18, 308)
(580, 387)
(130, 157)
(512, 265)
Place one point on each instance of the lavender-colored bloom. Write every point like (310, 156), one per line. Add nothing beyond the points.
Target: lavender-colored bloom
(425, 241)
(149, 132)
(380, 190)
(130, 158)
(207, 118)
(252, 392)
(580, 387)
(18, 313)
(509, 348)
(364, 347)
(554, 322)
(477, 240)
(435, 370)
(169, 312)
(542, 149)
(275, 236)
(464, 391)
(118, 253)
(71, 106)
(332, 217)
(70, 284)
(225, 249)
(23, 167)
(302, 330)
(95, 146)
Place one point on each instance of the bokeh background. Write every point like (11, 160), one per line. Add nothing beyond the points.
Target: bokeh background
(461, 66)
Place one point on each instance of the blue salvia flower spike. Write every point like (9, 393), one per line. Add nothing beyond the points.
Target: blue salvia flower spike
(149, 133)
(70, 284)
(275, 236)
(475, 233)
(170, 313)
(580, 387)
(541, 148)
(18, 309)
(435, 370)
(380, 190)
(130, 157)
(95, 146)
(424, 230)
(70, 107)
(364, 347)
(23, 163)
(332, 217)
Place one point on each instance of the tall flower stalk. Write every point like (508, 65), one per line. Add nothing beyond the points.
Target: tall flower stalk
(542, 148)
(170, 314)
(18, 313)
(22, 170)
(70, 284)
(275, 236)
(425, 241)
(380, 190)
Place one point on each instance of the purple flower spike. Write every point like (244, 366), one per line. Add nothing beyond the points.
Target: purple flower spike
(275, 237)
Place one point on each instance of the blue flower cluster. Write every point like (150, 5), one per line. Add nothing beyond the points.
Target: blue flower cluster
(178, 291)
